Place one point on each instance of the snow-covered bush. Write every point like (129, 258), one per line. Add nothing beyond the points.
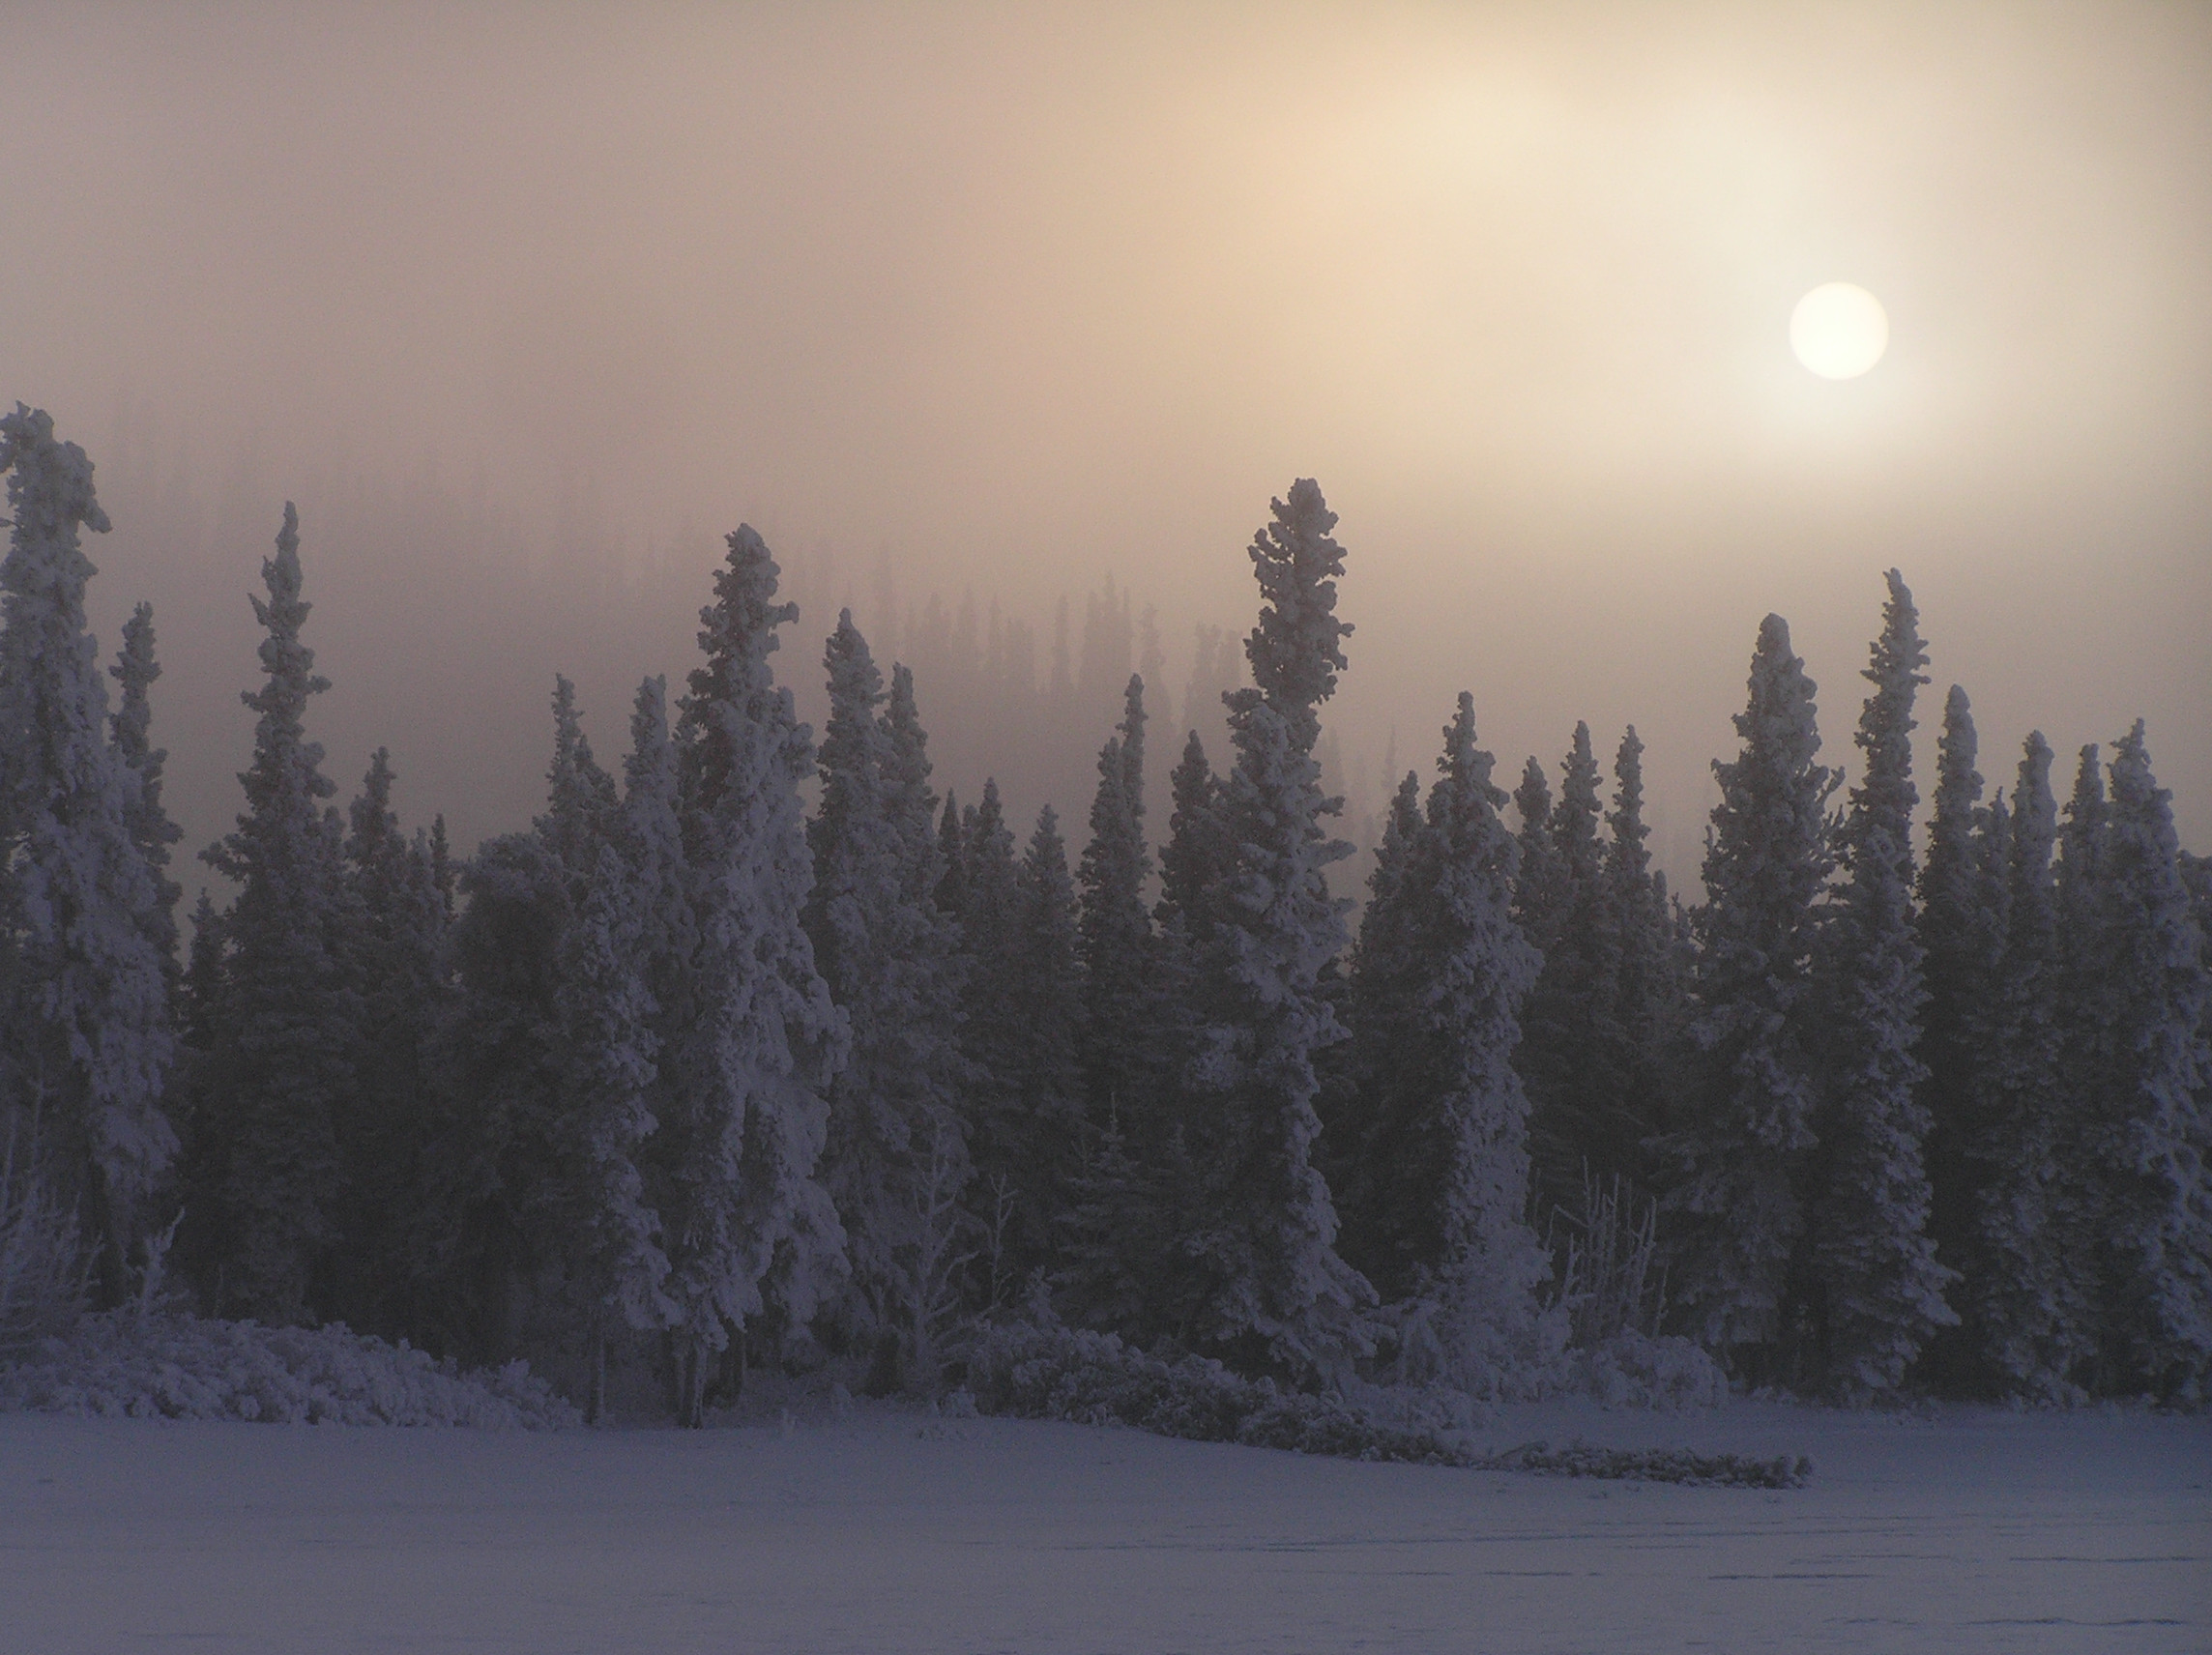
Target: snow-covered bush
(134, 1365)
(1038, 1372)
(1640, 1370)
(1094, 1378)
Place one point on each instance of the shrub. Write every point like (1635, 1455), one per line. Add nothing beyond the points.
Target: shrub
(134, 1365)
(1034, 1371)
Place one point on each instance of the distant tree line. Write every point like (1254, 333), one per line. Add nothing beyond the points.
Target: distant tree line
(688, 1075)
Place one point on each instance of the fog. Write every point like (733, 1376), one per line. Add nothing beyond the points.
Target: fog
(527, 306)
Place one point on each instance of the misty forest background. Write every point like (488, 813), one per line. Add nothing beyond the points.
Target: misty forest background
(756, 1049)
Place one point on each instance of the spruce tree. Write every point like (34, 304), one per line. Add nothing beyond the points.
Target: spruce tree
(1648, 986)
(1279, 1292)
(1111, 1227)
(131, 730)
(270, 1192)
(1380, 1238)
(1448, 1149)
(85, 1045)
(492, 1226)
(1960, 934)
(1030, 1135)
(1198, 855)
(396, 957)
(1119, 1018)
(579, 796)
(1741, 1152)
(1572, 1052)
(2154, 1139)
(745, 1115)
(1537, 895)
(2035, 1232)
(896, 1159)
(1878, 1287)
(951, 891)
(624, 990)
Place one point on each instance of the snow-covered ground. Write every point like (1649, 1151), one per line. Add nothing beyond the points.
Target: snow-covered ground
(880, 1529)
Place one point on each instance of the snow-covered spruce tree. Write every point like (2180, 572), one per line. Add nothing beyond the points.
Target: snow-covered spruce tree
(1198, 855)
(1029, 1156)
(266, 1196)
(85, 1045)
(2034, 1236)
(1539, 896)
(2153, 1138)
(1380, 1238)
(491, 1220)
(1876, 1286)
(1196, 864)
(951, 891)
(1741, 1149)
(1959, 931)
(1573, 1048)
(1106, 1230)
(990, 1031)
(895, 1158)
(625, 962)
(579, 796)
(910, 801)
(1277, 1293)
(1448, 1151)
(396, 955)
(1648, 989)
(1121, 1033)
(492, 1243)
(745, 1115)
(131, 730)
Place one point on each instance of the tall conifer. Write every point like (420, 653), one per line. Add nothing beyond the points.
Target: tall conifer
(745, 1116)
(2152, 1131)
(131, 729)
(85, 1045)
(287, 1031)
(1279, 1290)
(1742, 1149)
(1448, 1149)
(2035, 1236)
(1878, 1287)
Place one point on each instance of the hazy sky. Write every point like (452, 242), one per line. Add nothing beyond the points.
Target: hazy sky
(526, 305)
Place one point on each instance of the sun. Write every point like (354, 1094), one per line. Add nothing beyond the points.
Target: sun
(1839, 331)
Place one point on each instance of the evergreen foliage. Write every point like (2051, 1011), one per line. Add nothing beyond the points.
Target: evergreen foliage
(1742, 1151)
(397, 963)
(267, 1193)
(85, 1036)
(1447, 1157)
(1878, 1291)
(1960, 932)
(622, 966)
(1276, 1288)
(1119, 1016)
(1648, 989)
(131, 730)
(1575, 1055)
(2030, 1301)
(2153, 1141)
(745, 1222)
(896, 1159)
(680, 1078)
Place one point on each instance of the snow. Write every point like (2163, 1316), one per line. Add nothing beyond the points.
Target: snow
(880, 1528)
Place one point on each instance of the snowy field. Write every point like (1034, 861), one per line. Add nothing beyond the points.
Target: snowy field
(884, 1531)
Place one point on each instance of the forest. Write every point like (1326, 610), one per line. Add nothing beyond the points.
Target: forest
(755, 1051)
